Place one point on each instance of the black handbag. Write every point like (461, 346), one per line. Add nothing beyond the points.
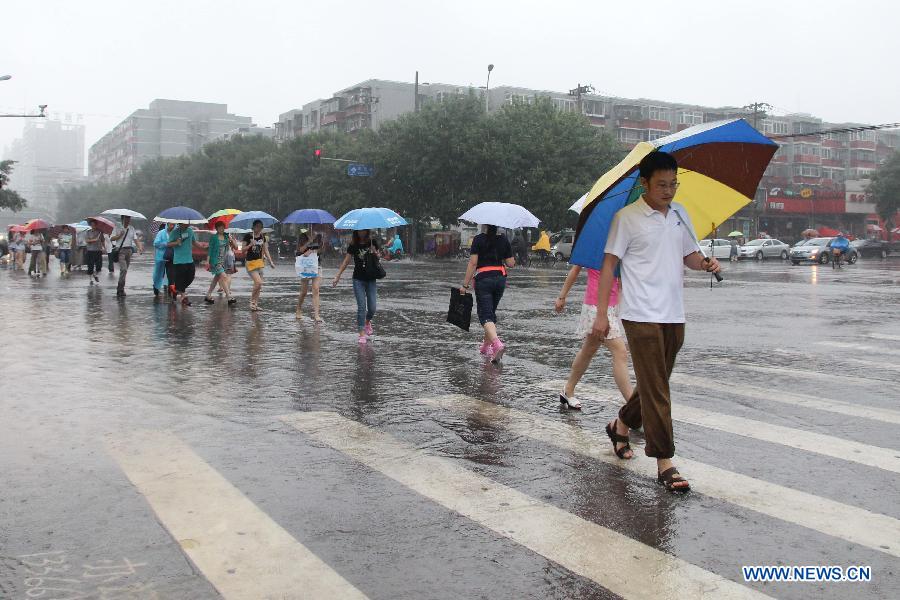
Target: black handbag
(460, 313)
(372, 266)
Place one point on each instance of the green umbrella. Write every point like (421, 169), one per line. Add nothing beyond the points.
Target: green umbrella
(736, 234)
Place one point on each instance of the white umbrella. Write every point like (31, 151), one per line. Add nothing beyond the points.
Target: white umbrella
(241, 230)
(579, 204)
(501, 214)
(124, 212)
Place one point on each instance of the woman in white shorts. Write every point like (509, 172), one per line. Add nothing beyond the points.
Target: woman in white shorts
(614, 342)
(308, 270)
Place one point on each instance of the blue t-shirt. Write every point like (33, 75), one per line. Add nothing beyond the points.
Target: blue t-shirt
(184, 253)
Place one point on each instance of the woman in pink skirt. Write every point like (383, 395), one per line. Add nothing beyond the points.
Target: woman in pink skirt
(614, 342)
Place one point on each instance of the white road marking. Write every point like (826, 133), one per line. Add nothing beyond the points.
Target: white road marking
(788, 372)
(859, 526)
(618, 563)
(877, 350)
(826, 445)
(885, 415)
(240, 550)
(884, 336)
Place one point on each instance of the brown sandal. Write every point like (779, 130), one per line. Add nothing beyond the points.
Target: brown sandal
(670, 477)
(616, 439)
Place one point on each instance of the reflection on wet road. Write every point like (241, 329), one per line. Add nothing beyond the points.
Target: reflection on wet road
(155, 451)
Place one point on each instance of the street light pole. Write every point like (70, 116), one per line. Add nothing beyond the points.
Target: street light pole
(487, 91)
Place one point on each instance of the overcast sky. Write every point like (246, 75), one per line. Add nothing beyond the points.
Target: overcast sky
(104, 59)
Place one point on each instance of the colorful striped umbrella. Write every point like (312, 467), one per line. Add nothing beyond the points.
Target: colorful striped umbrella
(225, 215)
(719, 168)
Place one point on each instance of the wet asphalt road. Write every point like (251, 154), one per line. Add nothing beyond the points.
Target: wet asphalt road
(127, 423)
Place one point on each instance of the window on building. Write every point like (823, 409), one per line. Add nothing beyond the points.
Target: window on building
(690, 117)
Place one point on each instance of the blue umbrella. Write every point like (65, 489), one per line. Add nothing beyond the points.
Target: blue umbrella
(309, 215)
(245, 219)
(369, 218)
(181, 214)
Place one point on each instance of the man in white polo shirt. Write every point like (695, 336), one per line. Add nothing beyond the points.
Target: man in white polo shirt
(654, 240)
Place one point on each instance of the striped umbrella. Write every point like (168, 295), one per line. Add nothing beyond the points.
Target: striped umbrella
(225, 215)
(719, 168)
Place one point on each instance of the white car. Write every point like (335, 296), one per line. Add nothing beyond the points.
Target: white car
(762, 249)
(720, 248)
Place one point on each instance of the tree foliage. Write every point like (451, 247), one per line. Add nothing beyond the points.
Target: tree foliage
(9, 198)
(429, 165)
(885, 188)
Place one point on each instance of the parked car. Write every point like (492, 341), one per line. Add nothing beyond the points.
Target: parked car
(818, 250)
(720, 248)
(871, 248)
(561, 247)
(762, 249)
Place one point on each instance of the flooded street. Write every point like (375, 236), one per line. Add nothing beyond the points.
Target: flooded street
(156, 451)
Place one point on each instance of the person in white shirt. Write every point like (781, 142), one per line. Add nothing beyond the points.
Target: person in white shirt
(65, 239)
(37, 266)
(123, 246)
(654, 240)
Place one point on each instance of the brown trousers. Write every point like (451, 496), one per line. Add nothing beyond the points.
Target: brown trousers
(653, 349)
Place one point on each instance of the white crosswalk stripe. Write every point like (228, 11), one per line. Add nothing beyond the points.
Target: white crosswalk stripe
(860, 347)
(240, 550)
(884, 336)
(862, 411)
(826, 445)
(788, 372)
(581, 546)
(873, 530)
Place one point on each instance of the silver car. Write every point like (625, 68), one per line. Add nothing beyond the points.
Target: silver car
(720, 248)
(762, 249)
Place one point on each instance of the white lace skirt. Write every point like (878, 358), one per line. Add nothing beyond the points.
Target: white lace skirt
(586, 322)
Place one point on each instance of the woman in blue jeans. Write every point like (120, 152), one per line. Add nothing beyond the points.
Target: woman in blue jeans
(364, 288)
(490, 256)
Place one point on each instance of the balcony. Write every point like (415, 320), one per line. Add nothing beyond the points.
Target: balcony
(643, 124)
(332, 117)
(863, 164)
(862, 145)
(357, 109)
(833, 143)
(833, 162)
(807, 159)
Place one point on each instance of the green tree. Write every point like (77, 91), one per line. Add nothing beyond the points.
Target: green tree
(9, 198)
(549, 158)
(885, 189)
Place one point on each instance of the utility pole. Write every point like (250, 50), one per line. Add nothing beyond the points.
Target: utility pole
(757, 111)
(578, 92)
(416, 103)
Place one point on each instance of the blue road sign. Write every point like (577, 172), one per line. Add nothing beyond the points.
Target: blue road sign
(360, 170)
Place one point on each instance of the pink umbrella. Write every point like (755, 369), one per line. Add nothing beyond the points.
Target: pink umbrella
(17, 229)
(104, 225)
(36, 224)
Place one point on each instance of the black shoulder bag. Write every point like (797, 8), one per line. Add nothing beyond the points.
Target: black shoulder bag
(372, 265)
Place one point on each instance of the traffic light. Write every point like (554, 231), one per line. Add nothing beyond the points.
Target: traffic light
(317, 157)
